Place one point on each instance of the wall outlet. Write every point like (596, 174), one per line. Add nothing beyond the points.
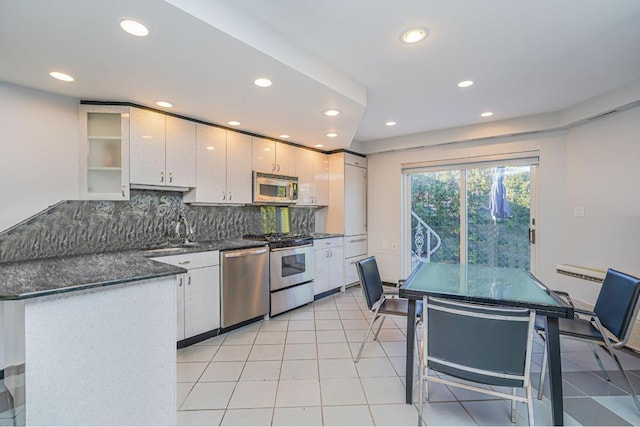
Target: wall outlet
(578, 212)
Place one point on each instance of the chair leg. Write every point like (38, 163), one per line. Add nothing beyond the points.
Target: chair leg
(595, 353)
(364, 340)
(513, 406)
(630, 388)
(375, 337)
(529, 404)
(543, 371)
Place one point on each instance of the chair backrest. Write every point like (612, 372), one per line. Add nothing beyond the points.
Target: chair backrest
(480, 343)
(370, 280)
(617, 304)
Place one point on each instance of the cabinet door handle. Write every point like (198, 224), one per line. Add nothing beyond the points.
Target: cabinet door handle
(180, 282)
(123, 190)
(278, 167)
(273, 167)
(330, 254)
(357, 240)
(184, 262)
(230, 195)
(170, 177)
(224, 195)
(189, 281)
(161, 176)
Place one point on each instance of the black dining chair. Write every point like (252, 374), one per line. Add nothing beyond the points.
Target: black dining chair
(378, 302)
(477, 343)
(615, 311)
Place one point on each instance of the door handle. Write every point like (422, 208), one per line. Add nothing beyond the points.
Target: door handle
(532, 236)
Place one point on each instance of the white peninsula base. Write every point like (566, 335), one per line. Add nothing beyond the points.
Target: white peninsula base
(104, 356)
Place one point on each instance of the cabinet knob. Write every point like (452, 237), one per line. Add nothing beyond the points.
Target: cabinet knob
(161, 176)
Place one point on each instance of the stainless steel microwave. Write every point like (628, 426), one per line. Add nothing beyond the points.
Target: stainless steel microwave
(274, 189)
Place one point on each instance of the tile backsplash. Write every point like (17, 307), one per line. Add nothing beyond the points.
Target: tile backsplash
(147, 219)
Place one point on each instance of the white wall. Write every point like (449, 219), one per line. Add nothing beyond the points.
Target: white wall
(592, 166)
(38, 152)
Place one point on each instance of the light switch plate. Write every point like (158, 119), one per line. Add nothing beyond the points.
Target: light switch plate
(578, 212)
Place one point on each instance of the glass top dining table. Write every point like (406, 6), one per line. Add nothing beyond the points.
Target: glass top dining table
(491, 285)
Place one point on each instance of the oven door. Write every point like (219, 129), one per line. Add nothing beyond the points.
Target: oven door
(291, 266)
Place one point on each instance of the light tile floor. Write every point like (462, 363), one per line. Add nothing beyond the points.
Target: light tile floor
(298, 369)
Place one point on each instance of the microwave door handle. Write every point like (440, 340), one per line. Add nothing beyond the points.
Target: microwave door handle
(290, 191)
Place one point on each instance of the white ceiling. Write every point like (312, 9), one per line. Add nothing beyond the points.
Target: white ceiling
(526, 57)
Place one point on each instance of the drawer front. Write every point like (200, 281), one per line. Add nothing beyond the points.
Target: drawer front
(350, 272)
(331, 242)
(192, 260)
(355, 245)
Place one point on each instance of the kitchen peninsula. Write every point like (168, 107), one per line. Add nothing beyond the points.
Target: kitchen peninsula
(89, 332)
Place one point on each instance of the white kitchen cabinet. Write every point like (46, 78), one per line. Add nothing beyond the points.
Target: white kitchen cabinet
(162, 150)
(347, 211)
(328, 264)
(274, 157)
(355, 200)
(180, 156)
(312, 170)
(104, 152)
(223, 165)
(198, 292)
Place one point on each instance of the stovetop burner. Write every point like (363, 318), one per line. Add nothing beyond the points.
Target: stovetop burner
(282, 240)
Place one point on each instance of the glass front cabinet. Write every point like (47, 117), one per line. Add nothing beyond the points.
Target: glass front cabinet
(104, 152)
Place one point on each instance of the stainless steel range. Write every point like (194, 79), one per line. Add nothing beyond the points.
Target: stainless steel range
(291, 270)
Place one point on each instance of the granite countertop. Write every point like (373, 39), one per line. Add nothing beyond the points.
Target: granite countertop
(48, 276)
(325, 235)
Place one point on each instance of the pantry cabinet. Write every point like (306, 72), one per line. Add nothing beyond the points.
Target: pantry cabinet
(104, 152)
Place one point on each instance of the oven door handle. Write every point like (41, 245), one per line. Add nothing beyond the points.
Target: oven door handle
(244, 253)
(289, 248)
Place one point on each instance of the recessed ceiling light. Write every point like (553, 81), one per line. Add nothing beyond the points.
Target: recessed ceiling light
(61, 76)
(284, 136)
(319, 145)
(210, 148)
(134, 28)
(487, 114)
(262, 82)
(164, 104)
(234, 123)
(465, 83)
(332, 134)
(391, 123)
(414, 35)
(331, 112)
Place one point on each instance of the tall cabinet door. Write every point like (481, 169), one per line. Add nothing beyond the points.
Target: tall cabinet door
(147, 147)
(211, 164)
(239, 176)
(321, 178)
(180, 152)
(355, 200)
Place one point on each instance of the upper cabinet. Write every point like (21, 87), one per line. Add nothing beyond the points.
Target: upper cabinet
(104, 152)
(274, 157)
(162, 150)
(223, 164)
(312, 169)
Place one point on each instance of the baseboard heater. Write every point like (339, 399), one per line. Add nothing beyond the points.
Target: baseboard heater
(585, 273)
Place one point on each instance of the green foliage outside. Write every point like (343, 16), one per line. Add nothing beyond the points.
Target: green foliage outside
(502, 243)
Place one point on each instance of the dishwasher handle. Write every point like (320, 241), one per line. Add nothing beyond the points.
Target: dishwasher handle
(236, 254)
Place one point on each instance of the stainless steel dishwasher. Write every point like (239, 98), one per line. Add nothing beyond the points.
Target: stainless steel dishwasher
(245, 285)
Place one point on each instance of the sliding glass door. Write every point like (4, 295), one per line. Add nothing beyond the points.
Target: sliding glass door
(472, 215)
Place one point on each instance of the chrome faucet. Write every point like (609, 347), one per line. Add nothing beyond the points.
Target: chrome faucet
(188, 229)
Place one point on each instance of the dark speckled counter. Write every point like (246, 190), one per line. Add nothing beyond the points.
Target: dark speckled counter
(325, 235)
(36, 278)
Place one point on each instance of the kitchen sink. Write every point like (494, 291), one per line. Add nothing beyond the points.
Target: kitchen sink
(171, 249)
